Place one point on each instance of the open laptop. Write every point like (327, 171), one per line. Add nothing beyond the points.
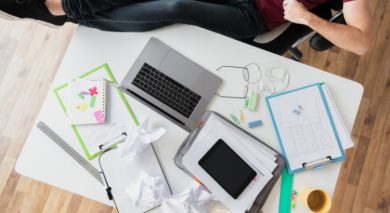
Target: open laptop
(171, 84)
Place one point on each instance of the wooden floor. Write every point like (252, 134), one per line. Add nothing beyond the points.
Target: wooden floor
(30, 55)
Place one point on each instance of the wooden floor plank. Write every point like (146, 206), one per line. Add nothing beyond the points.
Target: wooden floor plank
(74, 203)
(57, 201)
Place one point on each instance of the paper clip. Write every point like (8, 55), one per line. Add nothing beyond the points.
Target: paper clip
(235, 119)
(242, 116)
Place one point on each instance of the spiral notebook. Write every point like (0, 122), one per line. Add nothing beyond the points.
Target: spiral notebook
(116, 113)
(309, 127)
(87, 102)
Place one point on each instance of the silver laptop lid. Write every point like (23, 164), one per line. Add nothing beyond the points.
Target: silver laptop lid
(196, 85)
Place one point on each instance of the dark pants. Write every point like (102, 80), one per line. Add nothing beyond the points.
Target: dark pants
(238, 19)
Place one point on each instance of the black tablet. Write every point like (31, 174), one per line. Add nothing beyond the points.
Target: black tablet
(227, 168)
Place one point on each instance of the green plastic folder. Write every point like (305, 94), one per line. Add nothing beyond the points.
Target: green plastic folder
(102, 68)
(285, 192)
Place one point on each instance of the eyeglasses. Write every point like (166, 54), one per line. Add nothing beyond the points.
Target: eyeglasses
(267, 79)
(245, 75)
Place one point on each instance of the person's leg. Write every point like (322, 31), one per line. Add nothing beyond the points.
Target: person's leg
(238, 19)
(79, 9)
(30, 9)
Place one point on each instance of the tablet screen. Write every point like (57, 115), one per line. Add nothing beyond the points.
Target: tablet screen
(228, 169)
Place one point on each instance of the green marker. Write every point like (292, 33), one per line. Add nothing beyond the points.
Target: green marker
(235, 119)
(93, 100)
(246, 102)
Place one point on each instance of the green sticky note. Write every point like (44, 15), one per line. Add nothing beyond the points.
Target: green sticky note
(252, 101)
(285, 192)
(81, 96)
(92, 102)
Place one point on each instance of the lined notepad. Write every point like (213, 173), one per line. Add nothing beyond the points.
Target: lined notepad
(309, 126)
(343, 132)
(87, 102)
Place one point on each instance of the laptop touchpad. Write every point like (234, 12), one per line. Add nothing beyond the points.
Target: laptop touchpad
(180, 69)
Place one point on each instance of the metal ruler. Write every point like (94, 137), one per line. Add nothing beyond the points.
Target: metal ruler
(68, 149)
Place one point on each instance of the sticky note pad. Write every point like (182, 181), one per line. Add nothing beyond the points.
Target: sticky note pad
(252, 101)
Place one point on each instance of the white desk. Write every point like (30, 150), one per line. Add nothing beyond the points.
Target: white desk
(43, 160)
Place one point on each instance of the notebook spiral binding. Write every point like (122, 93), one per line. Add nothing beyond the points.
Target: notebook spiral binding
(337, 112)
(104, 99)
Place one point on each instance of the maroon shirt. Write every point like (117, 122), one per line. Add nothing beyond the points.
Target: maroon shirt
(273, 12)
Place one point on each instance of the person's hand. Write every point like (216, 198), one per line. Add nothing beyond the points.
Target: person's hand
(295, 12)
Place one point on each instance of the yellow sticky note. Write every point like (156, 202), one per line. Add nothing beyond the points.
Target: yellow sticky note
(82, 107)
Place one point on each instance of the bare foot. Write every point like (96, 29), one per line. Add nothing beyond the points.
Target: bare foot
(55, 7)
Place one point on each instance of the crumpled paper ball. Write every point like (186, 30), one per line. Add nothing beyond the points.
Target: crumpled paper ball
(148, 191)
(138, 140)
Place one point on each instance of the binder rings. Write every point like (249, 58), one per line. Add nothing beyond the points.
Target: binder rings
(308, 126)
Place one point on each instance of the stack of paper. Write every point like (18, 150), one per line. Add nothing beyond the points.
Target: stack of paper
(259, 157)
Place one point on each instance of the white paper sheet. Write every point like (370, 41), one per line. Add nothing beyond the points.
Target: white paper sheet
(199, 148)
(120, 175)
(306, 136)
(86, 102)
(344, 133)
(263, 154)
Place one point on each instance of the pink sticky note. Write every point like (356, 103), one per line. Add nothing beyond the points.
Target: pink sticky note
(99, 116)
(93, 91)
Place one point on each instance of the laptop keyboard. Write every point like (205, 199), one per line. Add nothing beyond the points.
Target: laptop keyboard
(166, 90)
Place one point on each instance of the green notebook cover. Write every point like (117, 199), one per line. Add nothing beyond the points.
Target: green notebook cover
(105, 68)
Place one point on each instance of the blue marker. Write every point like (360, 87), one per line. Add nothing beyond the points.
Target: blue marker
(254, 124)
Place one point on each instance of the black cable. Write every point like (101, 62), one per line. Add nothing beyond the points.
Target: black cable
(108, 189)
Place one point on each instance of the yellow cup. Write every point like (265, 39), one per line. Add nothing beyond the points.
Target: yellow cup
(316, 200)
